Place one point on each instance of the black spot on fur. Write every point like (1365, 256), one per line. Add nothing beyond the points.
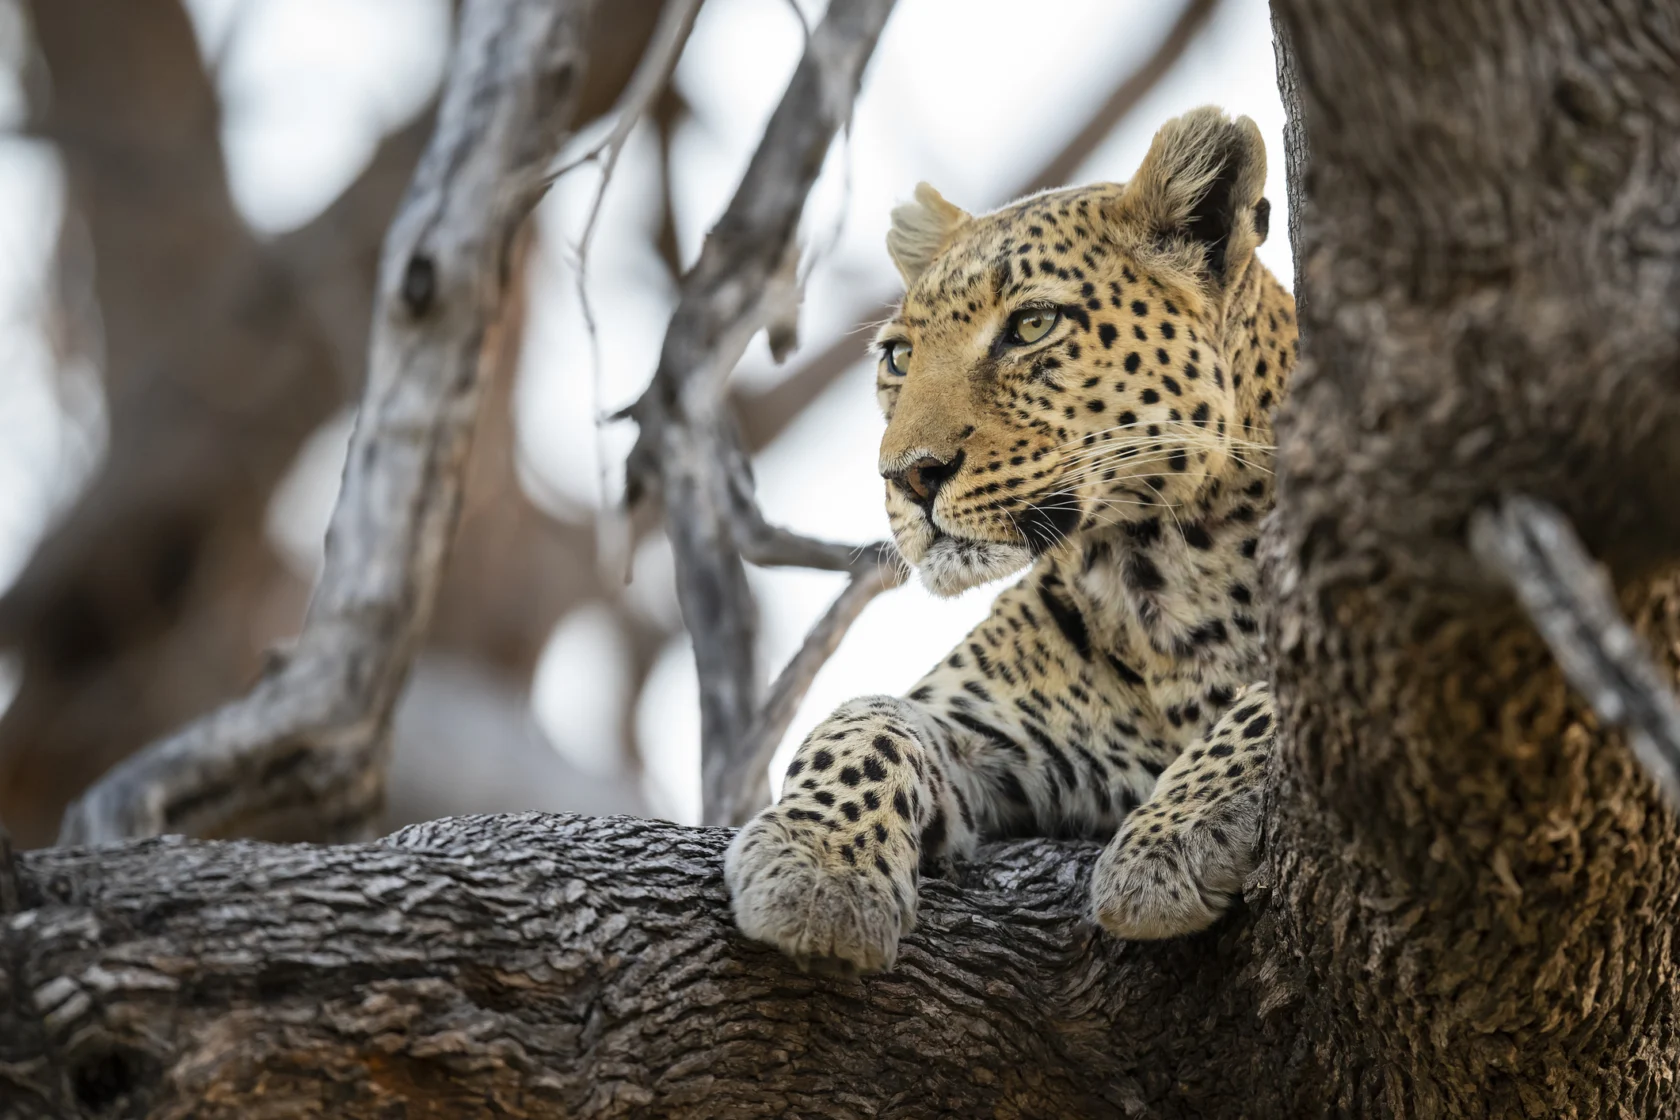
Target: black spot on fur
(1069, 621)
(1126, 673)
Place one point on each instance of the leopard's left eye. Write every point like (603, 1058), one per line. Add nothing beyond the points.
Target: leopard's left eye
(1030, 324)
(898, 358)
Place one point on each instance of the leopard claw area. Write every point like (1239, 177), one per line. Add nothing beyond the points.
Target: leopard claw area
(1175, 882)
(790, 890)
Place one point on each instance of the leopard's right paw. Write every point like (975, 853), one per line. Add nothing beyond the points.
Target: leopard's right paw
(818, 896)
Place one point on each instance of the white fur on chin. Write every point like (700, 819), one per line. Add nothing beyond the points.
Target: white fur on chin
(951, 566)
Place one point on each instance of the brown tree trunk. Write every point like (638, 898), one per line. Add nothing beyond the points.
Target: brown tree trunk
(1465, 902)
(1468, 898)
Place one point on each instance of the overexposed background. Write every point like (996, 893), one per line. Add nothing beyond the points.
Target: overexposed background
(967, 94)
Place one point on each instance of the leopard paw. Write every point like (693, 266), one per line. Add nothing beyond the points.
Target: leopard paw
(1161, 877)
(818, 897)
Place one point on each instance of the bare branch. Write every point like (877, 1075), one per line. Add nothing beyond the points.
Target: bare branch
(647, 85)
(766, 412)
(302, 753)
(1570, 600)
(686, 449)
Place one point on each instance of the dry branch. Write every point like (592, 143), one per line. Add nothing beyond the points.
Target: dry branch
(302, 754)
(1570, 600)
(794, 681)
(687, 450)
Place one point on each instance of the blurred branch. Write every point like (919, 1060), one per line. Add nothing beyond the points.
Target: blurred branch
(138, 607)
(647, 85)
(215, 380)
(687, 450)
(303, 752)
(764, 413)
(1571, 602)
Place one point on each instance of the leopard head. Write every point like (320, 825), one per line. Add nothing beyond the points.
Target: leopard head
(1063, 365)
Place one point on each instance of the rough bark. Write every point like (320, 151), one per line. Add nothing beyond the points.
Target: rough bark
(1571, 603)
(303, 752)
(1469, 884)
(509, 966)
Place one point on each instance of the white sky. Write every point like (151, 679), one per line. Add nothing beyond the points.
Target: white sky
(311, 85)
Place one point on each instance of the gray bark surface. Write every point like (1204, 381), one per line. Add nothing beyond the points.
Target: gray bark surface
(1469, 884)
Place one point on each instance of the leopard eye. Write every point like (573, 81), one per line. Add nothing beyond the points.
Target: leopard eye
(1030, 324)
(898, 358)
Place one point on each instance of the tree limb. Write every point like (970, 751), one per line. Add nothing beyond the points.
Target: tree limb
(509, 966)
(1437, 855)
(1571, 602)
(686, 449)
(305, 748)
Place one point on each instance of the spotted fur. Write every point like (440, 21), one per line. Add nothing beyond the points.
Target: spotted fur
(1123, 459)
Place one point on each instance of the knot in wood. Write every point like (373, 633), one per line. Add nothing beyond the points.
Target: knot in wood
(419, 284)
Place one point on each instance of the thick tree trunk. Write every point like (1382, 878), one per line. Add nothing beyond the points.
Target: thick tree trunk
(1469, 887)
(1465, 903)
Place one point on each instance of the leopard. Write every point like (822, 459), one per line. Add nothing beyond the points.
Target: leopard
(1079, 386)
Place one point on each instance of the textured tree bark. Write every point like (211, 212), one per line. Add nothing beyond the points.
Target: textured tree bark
(510, 966)
(1469, 887)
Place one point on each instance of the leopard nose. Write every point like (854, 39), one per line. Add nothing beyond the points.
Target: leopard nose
(923, 478)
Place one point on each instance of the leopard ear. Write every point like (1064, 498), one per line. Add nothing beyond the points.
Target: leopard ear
(920, 231)
(1201, 183)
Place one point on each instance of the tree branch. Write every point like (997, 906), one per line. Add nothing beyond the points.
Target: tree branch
(686, 449)
(122, 618)
(509, 966)
(303, 752)
(1570, 600)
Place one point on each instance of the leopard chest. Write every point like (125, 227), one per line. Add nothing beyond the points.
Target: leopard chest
(1174, 608)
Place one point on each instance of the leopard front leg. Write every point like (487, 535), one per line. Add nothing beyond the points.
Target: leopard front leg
(830, 872)
(1180, 858)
